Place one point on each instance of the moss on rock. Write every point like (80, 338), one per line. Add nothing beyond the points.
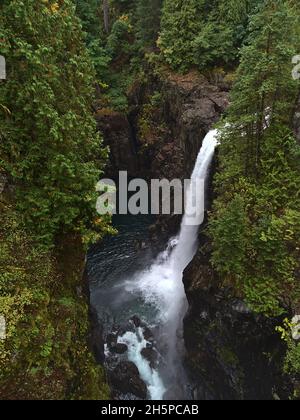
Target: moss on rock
(45, 353)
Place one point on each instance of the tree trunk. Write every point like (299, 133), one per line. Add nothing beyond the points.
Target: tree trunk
(106, 15)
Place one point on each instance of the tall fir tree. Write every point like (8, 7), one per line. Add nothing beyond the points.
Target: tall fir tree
(259, 168)
(50, 147)
(148, 16)
(181, 22)
(204, 34)
(265, 92)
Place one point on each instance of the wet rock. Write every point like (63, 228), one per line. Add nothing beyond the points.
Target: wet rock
(148, 335)
(136, 321)
(117, 134)
(126, 379)
(128, 327)
(111, 341)
(174, 393)
(150, 355)
(193, 104)
(120, 348)
(226, 343)
(95, 340)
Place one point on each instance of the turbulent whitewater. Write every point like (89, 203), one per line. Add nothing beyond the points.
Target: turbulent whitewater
(161, 286)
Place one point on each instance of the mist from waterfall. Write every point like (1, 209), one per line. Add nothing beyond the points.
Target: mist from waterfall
(162, 287)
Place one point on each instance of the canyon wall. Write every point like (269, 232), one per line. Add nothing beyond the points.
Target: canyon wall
(231, 352)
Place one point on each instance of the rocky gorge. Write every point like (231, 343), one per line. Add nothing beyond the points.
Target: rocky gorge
(229, 349)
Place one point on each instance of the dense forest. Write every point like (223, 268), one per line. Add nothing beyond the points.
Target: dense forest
(70, 62)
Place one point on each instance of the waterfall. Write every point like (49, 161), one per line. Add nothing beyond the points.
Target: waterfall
(162, 286)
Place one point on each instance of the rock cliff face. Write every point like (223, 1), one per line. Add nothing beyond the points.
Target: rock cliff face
(118, 135)
(192, 105)
(162, 140)
(157, 139)
(231, 353)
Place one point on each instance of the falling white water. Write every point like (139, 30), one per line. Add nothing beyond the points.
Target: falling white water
(136, 343)
(162, 285)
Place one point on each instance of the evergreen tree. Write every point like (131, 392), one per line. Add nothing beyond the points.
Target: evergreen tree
(223, 33)
(204, 33)
(50, 145)
(90, 14)
(52, 158)
(181, 22)
(148, 21)
(265, 91)
(259, 167)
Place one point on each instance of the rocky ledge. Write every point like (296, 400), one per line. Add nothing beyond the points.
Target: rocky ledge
(162, 140)
(232, 353)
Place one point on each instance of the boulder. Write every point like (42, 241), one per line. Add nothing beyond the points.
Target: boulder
(136, 320)
(148, 335)
(120, 348)
(150, 355)
(125, 378)
(111, 341)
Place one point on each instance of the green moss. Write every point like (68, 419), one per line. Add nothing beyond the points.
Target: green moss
(227, 355)
(44, 355)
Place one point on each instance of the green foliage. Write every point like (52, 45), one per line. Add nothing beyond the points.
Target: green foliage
(292, 359)
(118, 54)
(50, 147)
(256, 239)
(148, 14)
(45, 346)
(255, 225)
(90, 12)
(214, 45)
(118, 41)
(52, 157)
(181, 23)
(231, 230)
(204, 33)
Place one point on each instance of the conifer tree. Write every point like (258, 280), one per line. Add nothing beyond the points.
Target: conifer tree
(265, 91)
(148, 21)
(181, 22)
(50, 146)
(204, 33)
(259, 168)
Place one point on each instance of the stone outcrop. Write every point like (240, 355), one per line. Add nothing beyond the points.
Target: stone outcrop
(192, 105)
(126, 379)
(165, 142)
(232, 354)
(118, 136)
